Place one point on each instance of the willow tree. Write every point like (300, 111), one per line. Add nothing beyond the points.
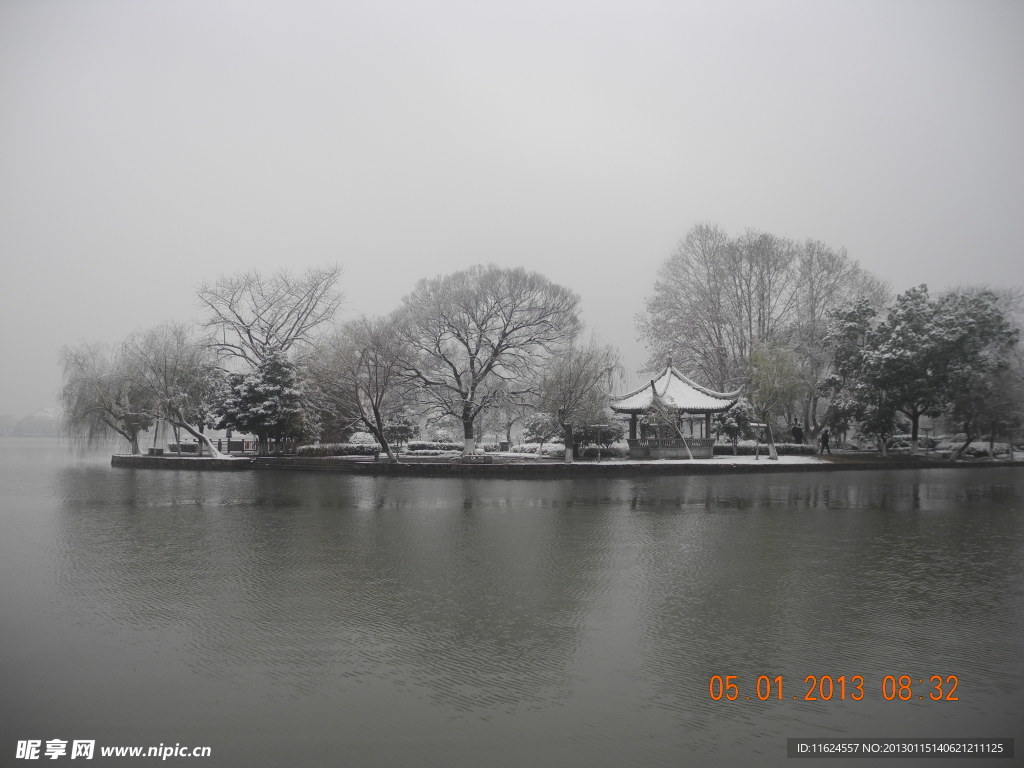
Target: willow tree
(179, 375)
(467, 330)
(101, 395)
(772, 387)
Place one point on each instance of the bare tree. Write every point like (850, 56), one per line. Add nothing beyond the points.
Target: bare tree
(100, 395)
(358, 372)
(717, 299)
(760, 288)
(251, 314)
(178, 373)
(825, 279)
(689, 317)
(575, 387)
(506, 409)
(466, 330)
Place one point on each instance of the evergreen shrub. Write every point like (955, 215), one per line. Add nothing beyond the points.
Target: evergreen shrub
(746, 448)
(415, 446)
(608, 452)
(550, 449)
(339, 449)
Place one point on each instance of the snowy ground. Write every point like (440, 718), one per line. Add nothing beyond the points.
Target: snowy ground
(739, 460)
(717, 460)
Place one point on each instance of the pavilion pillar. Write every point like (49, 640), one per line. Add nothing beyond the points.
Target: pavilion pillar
(632, 426)
(707, 425)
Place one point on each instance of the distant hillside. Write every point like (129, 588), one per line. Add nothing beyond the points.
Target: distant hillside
(43, 423)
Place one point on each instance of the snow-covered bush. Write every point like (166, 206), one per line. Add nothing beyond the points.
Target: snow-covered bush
(747, 448)
(415, 446)
(362, 438)
(442, 435)
(903, 441)
(615, 451)
(338, 449)
(550, 449)
(979, 449)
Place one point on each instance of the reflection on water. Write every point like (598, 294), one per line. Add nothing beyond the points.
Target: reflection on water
(287, 618)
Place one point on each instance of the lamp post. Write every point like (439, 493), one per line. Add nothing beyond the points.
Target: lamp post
(598, 428)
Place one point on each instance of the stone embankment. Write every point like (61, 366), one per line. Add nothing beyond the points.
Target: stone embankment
(546, 469)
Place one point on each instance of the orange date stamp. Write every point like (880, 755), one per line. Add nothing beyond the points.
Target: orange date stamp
(829, 688)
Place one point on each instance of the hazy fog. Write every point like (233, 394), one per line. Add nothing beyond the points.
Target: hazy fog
(147, 146)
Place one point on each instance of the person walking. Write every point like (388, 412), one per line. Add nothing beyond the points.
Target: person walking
(798, 432)
(824, 442)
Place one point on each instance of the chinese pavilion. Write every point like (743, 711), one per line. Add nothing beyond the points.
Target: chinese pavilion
(674, 398)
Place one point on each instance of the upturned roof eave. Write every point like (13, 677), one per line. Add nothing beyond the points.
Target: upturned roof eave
(726, 405)
(728, 399)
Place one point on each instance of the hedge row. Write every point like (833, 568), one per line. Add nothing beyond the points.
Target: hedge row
(608, 452)
(432, 445)
(747, 448)
(975, 450)
(550, 449)
(339, 449)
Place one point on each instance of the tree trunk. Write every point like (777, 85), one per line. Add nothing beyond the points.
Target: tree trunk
(469, 448)
(915, 420)
(568, 437)
(201, 438)
(773, 454)
(682, 437)
(376, 428)
(992, 443)
(959, 454)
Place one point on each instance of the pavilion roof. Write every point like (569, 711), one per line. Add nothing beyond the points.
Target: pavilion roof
(676, 392)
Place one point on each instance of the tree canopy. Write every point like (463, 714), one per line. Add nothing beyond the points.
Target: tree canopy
(574, 389)
(178, 374)
(268, 402)
(467, 330)
(922, 358)
(718, 299)
(359, 374)
(102, 394)
(251, 315)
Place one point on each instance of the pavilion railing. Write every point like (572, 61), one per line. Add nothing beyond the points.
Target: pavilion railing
(670, 447)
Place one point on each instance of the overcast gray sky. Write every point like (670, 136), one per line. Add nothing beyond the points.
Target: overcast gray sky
(146, 146)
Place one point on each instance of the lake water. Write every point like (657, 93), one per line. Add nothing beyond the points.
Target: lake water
(316, 619)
